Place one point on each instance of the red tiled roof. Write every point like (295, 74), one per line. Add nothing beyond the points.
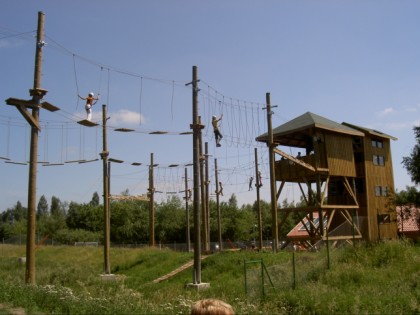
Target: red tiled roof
(411, 215)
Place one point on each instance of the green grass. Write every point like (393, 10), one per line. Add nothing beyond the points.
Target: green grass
(368, 279)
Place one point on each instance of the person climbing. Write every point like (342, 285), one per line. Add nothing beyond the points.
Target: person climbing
(90, 101)
(250, 183)
(259, 180)
(217, 135)
(220, 188)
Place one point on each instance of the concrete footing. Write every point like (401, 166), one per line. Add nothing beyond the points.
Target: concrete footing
(197, 286)
(109, 277)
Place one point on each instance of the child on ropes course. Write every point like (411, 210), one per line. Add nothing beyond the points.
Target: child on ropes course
(90, 101)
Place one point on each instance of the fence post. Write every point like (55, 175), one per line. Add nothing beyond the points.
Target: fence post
(294, 270)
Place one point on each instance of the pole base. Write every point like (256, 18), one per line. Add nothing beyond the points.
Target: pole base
(197, 286)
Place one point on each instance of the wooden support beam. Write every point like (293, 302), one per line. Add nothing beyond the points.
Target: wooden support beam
(280, 190)
(350, 190)
(295, 160)
(29, 118)
(19, 102)
(324, 192)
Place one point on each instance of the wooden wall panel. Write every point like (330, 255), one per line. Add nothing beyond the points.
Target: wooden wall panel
(340, 157)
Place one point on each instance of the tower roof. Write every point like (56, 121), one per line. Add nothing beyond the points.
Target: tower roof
(296, 131)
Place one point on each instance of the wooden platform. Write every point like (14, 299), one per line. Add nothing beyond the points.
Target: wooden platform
(87, 123)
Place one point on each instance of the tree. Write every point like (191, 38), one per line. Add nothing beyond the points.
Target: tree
(42, 209)
(412, 162)
(170, 220)
(95, 199)
(57, 207)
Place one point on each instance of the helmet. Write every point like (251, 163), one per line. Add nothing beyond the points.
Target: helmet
(214, 117)
(91, 94)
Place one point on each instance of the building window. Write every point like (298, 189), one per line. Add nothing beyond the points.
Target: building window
(377, 144)
(378, 160)
(384, 218)
(381, 191)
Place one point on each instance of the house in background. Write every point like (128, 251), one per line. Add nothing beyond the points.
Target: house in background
(408, 218)
(345, 176)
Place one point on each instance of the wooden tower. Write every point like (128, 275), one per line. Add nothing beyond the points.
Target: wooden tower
(345, 175)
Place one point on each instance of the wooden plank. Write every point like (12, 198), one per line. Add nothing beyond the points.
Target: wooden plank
(19, 102)
(50, 107)
(124, 130)
(340, 207)
(344, 237)
(87, 123)
(115, 160)
(75, 161)
(17, 163)
(295, 160)
(88, 161)
(158, 132)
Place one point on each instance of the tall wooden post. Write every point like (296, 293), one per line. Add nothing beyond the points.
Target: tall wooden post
(207, 195)
(219, 224)
(104, 155)
(260, 238)
(202, 192)
(151, 204)
(274, 226)
(36, 98)
(196, 127)
(187, 211)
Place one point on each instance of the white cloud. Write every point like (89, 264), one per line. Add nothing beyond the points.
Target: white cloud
(386, 111)
(125, 117)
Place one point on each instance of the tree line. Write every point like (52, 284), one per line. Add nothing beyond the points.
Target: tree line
(69, 222)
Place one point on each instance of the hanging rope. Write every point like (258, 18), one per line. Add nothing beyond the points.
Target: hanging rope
(172, 100)
(100, 81)
(141, 97)
(75, 79)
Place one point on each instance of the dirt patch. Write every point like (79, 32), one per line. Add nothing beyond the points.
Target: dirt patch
(12, 310)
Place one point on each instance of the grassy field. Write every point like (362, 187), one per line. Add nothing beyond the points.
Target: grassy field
(368, 279)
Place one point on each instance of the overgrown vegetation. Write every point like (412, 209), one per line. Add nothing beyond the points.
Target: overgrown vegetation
(379, 278)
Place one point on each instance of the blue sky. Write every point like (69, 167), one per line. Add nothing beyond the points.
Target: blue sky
(352, 61)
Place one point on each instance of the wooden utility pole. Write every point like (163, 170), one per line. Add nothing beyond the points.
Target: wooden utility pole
(187, 211)
(33, 119)
(219, 220)
(207, 205)
(203, 192)
(274, 226)
(196, 128)
(107, 226)
(37, 95)
(258, 201)
(151, 204)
